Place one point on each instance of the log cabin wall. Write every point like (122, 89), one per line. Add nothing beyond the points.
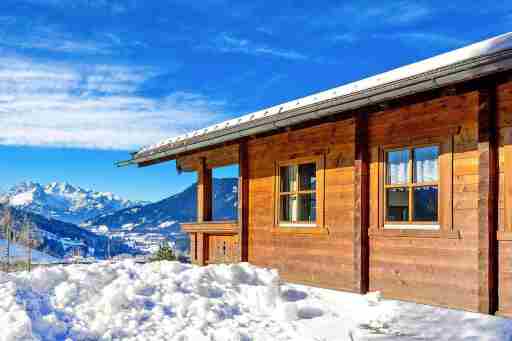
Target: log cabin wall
(434, 267)
(324, 258)
(452, 266)
(504, 113)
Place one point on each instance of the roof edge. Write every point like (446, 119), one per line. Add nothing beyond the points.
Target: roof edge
(466, 70)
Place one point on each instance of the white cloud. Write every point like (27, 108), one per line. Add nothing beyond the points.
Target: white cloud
(91, 107)
(389, 12)
(345, 38)
(405, 12)
(424, 38)
(48, 37)
(111, 5)
(57, 45)
(227, 43)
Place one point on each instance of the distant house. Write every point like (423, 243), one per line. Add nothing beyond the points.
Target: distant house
(74, 248)
(401, 182)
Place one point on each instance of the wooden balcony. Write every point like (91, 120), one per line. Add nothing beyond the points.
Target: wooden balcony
(212, 227)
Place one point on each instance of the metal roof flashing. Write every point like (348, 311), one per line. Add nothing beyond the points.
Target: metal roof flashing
(471, 62)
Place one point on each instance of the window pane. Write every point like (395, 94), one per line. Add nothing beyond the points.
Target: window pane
(425, 164)
(397, 164)
(307, 176)
(288, 208)
(398, 204)
(307, 208)
(425, 203)
(288, 178)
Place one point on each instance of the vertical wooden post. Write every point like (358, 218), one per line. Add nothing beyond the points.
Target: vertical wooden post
(204, 192)
(243, 201)
(193, 247)
(507, 150)
(201, 248)
(361, 205)
(204, 209)
(487, 200)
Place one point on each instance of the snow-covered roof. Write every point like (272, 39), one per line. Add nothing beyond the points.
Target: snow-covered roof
(186, 142)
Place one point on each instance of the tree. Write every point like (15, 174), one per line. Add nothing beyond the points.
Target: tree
(165, 252)
(26, 235)
(7, 222)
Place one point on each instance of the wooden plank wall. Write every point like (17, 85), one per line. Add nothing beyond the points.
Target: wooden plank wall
(504, 113)
(487, 201)
(323, 259)
(452, 269)
(439, 271)
(217, 157)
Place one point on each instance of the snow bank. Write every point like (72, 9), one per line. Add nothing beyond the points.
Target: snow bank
(173, 301)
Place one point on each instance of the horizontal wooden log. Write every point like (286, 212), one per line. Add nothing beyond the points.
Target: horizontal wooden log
(211, 227)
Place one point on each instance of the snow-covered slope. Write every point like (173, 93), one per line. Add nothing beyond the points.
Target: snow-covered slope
(21, 253)
(56, 238)
(173, 301)
(63, 201)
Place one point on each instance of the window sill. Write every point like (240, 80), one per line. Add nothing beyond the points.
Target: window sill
(298, 226)
(298, 229)
(411, 232)
(420, 227)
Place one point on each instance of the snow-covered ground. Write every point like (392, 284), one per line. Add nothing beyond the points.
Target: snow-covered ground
(173, 301)
(20, 253)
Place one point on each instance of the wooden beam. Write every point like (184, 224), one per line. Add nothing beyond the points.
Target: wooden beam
(211, 227)
(361, 205)
(243, 201)
(488, 200)
(201, 248)
(507, 155)
(204, 192)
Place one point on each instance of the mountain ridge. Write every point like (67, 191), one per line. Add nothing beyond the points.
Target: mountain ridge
(55, 237)
(63, 201)
(163, 217)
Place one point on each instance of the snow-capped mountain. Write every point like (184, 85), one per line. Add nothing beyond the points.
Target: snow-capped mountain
(55, 238)
(64, 202)
(146, 226)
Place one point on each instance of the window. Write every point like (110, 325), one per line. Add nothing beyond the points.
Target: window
(411, 187)
(297, 199)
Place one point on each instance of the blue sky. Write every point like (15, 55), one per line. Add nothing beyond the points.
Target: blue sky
(84, 81)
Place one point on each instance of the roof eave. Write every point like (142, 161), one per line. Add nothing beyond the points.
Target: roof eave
(469, 69)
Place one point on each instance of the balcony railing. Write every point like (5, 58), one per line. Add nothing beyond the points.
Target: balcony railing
(230, 226)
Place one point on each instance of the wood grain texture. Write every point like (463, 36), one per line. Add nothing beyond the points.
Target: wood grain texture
(454, 267)
(487, 201)
(222, 248)
(243, 201)
(215, 157)
(326, 259)
(204, 192)
(361, 205)
(421, 265)
(211, 227)
(504, 112)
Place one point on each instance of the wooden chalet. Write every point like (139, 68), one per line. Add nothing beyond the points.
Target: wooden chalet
(400, 183)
